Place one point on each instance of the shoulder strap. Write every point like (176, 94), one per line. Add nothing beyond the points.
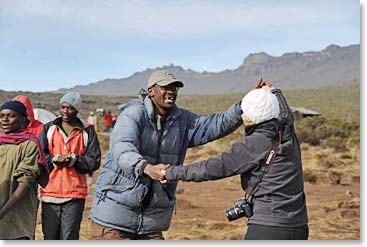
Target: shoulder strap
(268, 161)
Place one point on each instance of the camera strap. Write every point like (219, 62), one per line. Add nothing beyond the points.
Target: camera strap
(268, 161)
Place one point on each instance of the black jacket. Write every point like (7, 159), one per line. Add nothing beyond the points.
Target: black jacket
(279, 198)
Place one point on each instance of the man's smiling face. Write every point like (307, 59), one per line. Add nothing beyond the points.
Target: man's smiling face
(163, 97)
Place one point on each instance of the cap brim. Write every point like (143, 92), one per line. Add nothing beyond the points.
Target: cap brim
(167, 82)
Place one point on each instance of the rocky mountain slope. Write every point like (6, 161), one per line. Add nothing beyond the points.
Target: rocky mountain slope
(332, 66)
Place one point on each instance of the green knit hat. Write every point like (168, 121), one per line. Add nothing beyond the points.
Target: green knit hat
(74, 99)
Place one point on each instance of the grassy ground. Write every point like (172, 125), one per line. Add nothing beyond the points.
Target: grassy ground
(333, 198)
(338, 101)
(331, 170)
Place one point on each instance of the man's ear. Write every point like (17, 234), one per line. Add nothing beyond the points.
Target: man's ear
(150, 92)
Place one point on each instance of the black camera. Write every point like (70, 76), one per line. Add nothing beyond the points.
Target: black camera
(242, 208)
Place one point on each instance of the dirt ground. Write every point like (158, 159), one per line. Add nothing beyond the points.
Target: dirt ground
(333, 212)
(333, 202)
(328, 219)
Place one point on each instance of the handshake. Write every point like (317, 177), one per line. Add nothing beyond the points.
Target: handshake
(157, 172)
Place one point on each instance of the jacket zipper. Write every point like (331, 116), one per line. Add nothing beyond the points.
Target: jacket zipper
(140, 217)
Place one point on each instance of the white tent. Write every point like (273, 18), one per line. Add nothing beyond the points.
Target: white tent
(43, 115)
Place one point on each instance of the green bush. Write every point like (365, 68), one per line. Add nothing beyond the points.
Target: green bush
(335, 132)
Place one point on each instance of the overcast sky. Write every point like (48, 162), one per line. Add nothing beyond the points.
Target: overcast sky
(49, 44)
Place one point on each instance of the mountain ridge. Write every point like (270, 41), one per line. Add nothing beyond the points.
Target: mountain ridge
(333, 65)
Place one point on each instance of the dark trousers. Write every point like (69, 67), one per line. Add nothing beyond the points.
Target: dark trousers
(261, 232)
(62, 221)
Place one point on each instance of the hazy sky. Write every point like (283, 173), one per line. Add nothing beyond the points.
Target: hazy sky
(49, 44)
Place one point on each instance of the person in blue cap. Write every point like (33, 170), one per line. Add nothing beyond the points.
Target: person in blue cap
(128, 203)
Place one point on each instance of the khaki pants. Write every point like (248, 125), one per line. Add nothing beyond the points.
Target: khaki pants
(100, 232)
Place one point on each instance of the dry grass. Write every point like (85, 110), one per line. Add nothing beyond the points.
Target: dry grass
(332, 201)
(333, 168)
(202, 229)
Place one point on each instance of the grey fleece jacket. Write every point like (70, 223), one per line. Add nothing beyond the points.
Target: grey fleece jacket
(279, 199)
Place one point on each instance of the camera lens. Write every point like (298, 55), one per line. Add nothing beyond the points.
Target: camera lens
(231, 214)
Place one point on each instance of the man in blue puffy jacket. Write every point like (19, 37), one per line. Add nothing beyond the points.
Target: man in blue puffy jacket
(129, 202)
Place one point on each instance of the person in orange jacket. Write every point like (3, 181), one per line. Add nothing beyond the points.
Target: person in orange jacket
(72, 151)
(34, 126)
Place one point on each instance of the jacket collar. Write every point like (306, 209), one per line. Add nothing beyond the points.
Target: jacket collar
(269, 128)
(58, 122)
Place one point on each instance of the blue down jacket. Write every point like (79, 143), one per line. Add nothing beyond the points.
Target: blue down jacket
(127, 199)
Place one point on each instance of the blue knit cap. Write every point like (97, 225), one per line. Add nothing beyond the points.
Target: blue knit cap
(74, 99)
(15, 106)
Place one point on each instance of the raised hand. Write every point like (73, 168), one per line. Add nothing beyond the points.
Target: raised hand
(259, 83)
(263, 84)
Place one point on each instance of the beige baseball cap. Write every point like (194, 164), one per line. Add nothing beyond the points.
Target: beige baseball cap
(163, 78)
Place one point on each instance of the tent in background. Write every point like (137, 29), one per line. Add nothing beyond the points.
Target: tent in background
(43, 115)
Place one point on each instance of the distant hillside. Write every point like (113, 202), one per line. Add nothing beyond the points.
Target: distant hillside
(342, 102)
(331, 66)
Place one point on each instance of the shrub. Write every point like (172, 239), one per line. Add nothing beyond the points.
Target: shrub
(328, 161)
(314, 130)
(354, 138)
(323, 161)
(305, 147)
(309, 176)
(345, 156)
(335, 177)
(335, 142)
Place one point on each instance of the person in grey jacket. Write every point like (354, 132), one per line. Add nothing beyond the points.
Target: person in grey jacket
(129, 202)
(278, 199)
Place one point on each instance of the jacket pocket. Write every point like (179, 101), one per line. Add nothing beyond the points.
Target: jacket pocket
(126, 191)
(117, 188)
(162, 197)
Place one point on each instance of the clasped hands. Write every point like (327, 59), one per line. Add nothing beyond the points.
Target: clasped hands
(62, 160)
(157, 172)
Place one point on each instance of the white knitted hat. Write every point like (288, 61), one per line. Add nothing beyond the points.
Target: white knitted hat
(260, 105)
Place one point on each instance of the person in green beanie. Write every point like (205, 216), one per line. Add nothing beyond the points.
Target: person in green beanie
(72, 150)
